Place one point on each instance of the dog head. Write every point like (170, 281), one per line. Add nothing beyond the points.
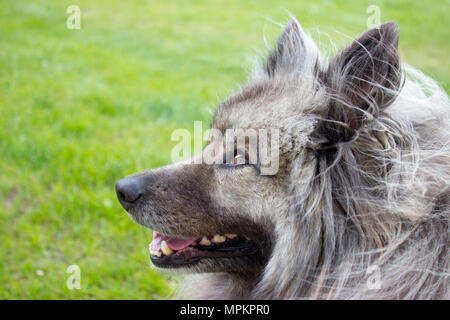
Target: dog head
(229, 214)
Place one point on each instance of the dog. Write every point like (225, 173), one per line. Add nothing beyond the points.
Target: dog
(358, 207)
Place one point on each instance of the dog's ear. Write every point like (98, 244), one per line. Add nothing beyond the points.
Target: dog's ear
(362, 80)
(290, 52)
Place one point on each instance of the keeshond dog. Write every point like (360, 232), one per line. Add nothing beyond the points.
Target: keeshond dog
(358, 206)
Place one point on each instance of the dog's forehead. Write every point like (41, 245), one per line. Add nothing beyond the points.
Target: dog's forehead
(267, 104)
(250, 108)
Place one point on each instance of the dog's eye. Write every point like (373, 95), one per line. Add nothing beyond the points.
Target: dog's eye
(240, 158)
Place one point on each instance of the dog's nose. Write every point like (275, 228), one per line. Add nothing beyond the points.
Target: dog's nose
(129, 191)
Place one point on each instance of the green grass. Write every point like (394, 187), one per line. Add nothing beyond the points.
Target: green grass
(80, 109)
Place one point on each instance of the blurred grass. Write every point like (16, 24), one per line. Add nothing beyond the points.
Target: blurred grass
(80, 109)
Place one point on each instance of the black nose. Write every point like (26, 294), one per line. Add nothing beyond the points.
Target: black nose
(129, 191)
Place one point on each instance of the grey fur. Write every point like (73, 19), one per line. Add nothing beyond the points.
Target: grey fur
(364, 180)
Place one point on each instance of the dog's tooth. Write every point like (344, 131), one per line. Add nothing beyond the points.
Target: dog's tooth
(156, 253)
(230, 235)
(205, 242)
(218, 238)
(165, 249)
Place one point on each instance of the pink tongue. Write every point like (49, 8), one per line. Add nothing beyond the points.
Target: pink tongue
(173, 243)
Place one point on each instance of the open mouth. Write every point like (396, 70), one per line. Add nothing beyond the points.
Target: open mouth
(172, 252)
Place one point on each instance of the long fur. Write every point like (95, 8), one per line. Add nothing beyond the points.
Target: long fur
(379, 197)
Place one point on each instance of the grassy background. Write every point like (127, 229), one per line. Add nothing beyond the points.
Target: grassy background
(80, 109)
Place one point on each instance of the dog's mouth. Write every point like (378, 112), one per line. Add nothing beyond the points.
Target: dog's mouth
(170, 252)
